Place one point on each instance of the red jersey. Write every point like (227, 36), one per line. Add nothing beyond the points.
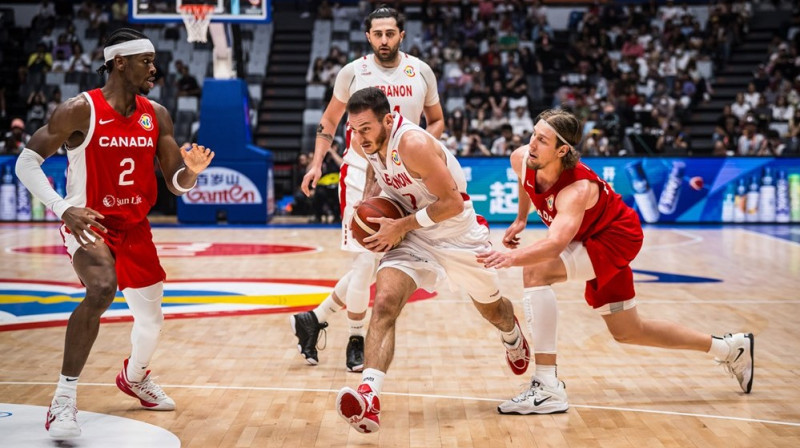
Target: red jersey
(610, 208)
(610, 231)
(112, 171)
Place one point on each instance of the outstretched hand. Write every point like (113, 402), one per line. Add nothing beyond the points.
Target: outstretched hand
(511, 236)
(495, 259)
(82, 223)
(196, 157)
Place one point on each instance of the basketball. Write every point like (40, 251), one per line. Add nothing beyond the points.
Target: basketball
(377, 207)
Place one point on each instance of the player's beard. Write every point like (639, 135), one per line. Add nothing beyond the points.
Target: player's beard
(533, 164)
(390, 57)
(380, 140)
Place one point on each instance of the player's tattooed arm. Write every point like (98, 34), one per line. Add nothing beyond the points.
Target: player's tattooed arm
(324, 135)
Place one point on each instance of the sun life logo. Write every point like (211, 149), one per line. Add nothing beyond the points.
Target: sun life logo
(409, 71)
(109, 200)
(146, 122)
(395, 157)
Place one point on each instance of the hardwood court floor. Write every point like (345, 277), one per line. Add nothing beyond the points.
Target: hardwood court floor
(239, 381)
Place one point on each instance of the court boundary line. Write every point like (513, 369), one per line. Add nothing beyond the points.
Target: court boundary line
(436, 396)
(767, 236)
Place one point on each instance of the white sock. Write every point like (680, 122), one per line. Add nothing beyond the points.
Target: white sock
(67, 386)
(547, 375)
(326, 309)
(512, 337)
(373, 378)
(135, 371)
(719, 348)
(357, 327)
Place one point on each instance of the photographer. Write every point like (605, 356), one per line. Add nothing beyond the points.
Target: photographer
(475, 146)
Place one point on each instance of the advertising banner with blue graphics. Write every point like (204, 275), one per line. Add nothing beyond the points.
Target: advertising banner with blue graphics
(664, 190)
(16, 203)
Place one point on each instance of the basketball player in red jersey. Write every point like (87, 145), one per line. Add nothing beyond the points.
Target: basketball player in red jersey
(410, 86)
(593, 237)
(112, 136)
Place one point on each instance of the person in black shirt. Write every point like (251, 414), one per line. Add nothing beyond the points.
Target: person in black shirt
(187, 84)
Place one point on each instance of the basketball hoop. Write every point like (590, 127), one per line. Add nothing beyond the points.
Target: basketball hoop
(196, 18)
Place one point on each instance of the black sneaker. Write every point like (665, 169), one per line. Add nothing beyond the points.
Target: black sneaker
(355, 354)
(306, 327)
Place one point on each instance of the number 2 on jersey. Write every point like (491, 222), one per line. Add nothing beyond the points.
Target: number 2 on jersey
(127, 161)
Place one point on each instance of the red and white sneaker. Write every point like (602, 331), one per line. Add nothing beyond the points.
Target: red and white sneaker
(150, 394)
(518, 355)
(62, 418)
(360, 408)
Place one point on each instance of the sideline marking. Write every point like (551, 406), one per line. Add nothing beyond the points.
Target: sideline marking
(446, 397)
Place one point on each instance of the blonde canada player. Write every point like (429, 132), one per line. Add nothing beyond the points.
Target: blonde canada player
(592, 237)
(113, 135)
(410, 85)
(436, 243)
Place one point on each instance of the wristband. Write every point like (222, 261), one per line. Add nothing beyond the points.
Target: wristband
(423, 219)
(178, 186)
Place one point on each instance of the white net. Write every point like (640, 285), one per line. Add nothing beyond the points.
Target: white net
(196, 18)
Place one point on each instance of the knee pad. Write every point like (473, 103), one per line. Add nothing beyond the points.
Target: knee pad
(362, 275)
(145, 305)
(541, 314)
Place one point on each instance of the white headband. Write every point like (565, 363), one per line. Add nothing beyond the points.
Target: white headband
(556, 132)
(128, 48)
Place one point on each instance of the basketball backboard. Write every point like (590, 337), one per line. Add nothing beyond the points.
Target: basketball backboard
(226, 11)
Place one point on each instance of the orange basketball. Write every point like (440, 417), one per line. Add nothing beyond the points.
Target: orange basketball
(377, 207)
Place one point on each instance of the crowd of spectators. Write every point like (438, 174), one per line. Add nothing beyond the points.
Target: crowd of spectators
(61, 47)
(765, 119)
(619, 66)
(624, 70)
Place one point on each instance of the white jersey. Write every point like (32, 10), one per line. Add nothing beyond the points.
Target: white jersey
(410, 87)
(397, 183)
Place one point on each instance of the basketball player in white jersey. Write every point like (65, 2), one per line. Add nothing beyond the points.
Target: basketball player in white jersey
(437, 241)
(112, 136)
(411, 87)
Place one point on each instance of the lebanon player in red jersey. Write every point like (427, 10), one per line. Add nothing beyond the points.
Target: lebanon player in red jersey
(592, 236)
(113, 135)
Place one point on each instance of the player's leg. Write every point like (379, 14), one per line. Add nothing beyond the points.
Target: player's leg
(402, 270)
(141, 280)
(95, 267)
(134, 379)
(361, 407)
(733, 351)
(363, 274)
(546, 394)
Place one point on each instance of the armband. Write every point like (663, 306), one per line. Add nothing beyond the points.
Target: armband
(178, 186)
(423, 219)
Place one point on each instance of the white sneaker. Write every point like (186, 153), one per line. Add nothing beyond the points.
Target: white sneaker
(537, 399)
(740, 363)
(62, 418)
(150, 395)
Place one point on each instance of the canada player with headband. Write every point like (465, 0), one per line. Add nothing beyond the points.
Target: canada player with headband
(112, 135)
(592, 237)
(411, 87)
